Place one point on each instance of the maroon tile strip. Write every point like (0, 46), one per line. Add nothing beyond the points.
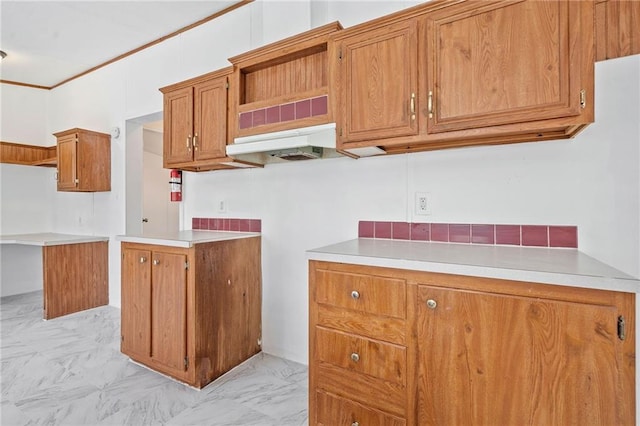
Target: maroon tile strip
(311, 107)
(226, 224)
(517, 235)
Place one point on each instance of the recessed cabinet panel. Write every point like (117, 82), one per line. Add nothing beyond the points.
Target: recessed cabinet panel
(501, 359)
(67, 162)
(136, 298)
(169, 310)
(378, 83)
(210, 120)
(178, 125)
(502, 64)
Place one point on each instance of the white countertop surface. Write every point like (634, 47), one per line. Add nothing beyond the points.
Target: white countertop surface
(185, 238)
(49, 239)
(543, 265)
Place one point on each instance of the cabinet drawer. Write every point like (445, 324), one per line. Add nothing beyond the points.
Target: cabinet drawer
(365, 293)
(372, 357)
(367, 325)
(333, 410)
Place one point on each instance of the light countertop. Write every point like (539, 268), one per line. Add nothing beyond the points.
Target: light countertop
(49, 239)
(543, 265)
(185, 238)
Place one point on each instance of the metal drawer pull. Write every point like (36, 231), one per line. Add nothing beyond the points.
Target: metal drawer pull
(143, 259)
(355, 357)
(156, 262)
(355, 295)
(431, 304)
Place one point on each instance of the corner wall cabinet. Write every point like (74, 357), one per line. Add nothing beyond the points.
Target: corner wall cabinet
(399, 347)
(478, 79)
(191, 313)
(84, 161)
(195, 123)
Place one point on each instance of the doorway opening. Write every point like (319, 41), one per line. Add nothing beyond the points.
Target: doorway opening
(148, 206)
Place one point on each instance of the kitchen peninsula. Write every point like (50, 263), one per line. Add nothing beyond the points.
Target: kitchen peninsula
(74, 268)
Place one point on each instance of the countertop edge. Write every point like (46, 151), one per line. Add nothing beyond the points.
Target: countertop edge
(185, 243)
(555, 278)
(46, 239)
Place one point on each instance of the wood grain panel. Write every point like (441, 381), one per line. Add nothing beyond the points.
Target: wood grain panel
(210, 119)
(617, 29)
(228, 306)
(333, 410)
(67, 162)
(376, 327)
(136, 303)
(375, 358)
(385, 396)
(376, 295)
(28, 155)
(497, 359)
(178, 126)
(302, 74)
(94, 161)
(168, 311)
(75, 278)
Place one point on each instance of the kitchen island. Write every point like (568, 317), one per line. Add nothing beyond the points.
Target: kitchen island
(75, 273)
(411, 332)
(191, 302)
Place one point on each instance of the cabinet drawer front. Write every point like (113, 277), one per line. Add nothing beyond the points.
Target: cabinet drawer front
(372, 357)
(373, 326)
(333, 410)
(365, 293)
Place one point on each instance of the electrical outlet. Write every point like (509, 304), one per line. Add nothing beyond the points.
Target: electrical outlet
(222, 206)
(423, 203)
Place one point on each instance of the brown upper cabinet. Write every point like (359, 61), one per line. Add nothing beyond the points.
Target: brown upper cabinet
(283, 85)
(84, 161)
(448, 74)
(617, 28)
(195, 123)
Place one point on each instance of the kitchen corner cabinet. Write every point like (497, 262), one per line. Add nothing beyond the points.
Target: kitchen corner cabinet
(399, 347)
(487, 73)
(84, 161)
(191, 313)
(195, 123)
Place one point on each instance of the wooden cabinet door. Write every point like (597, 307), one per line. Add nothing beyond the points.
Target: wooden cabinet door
(136, 303)
(492, 63)
(497, 359)
(67, 162)
(378, 78)
(210, 119)
(169, 311)
(178, 126)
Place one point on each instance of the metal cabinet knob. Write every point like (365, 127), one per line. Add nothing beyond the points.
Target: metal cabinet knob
(355, 357)
(143, 259)
(355, 295)
(431, 304)
(355, 424)
(156, 262)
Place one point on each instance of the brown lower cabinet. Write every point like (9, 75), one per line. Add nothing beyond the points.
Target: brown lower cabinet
(75, 277)
(191, 313)
(399, 347)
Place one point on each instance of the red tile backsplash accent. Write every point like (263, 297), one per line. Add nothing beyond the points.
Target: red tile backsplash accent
(440, 232)
(459, 233)
(226, 224)
(535, 235)
(518, 235)
(400, 231)
(286, 112)
(563, 236)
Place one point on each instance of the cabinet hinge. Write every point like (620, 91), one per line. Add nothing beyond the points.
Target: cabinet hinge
(622, 332)
(186, 362)
(226, 85)
(583, 98)
(186, 265)
(340, 131)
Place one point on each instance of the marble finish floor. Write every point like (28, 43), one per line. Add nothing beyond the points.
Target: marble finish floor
(69, 371)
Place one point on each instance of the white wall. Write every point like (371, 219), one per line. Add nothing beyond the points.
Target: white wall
(592, 181)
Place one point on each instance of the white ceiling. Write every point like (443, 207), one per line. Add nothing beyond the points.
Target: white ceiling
(48, 42)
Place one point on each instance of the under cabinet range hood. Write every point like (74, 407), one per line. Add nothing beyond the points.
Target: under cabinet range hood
(288, 145)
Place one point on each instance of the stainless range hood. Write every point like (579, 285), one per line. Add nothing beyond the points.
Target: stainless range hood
(296, 144)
